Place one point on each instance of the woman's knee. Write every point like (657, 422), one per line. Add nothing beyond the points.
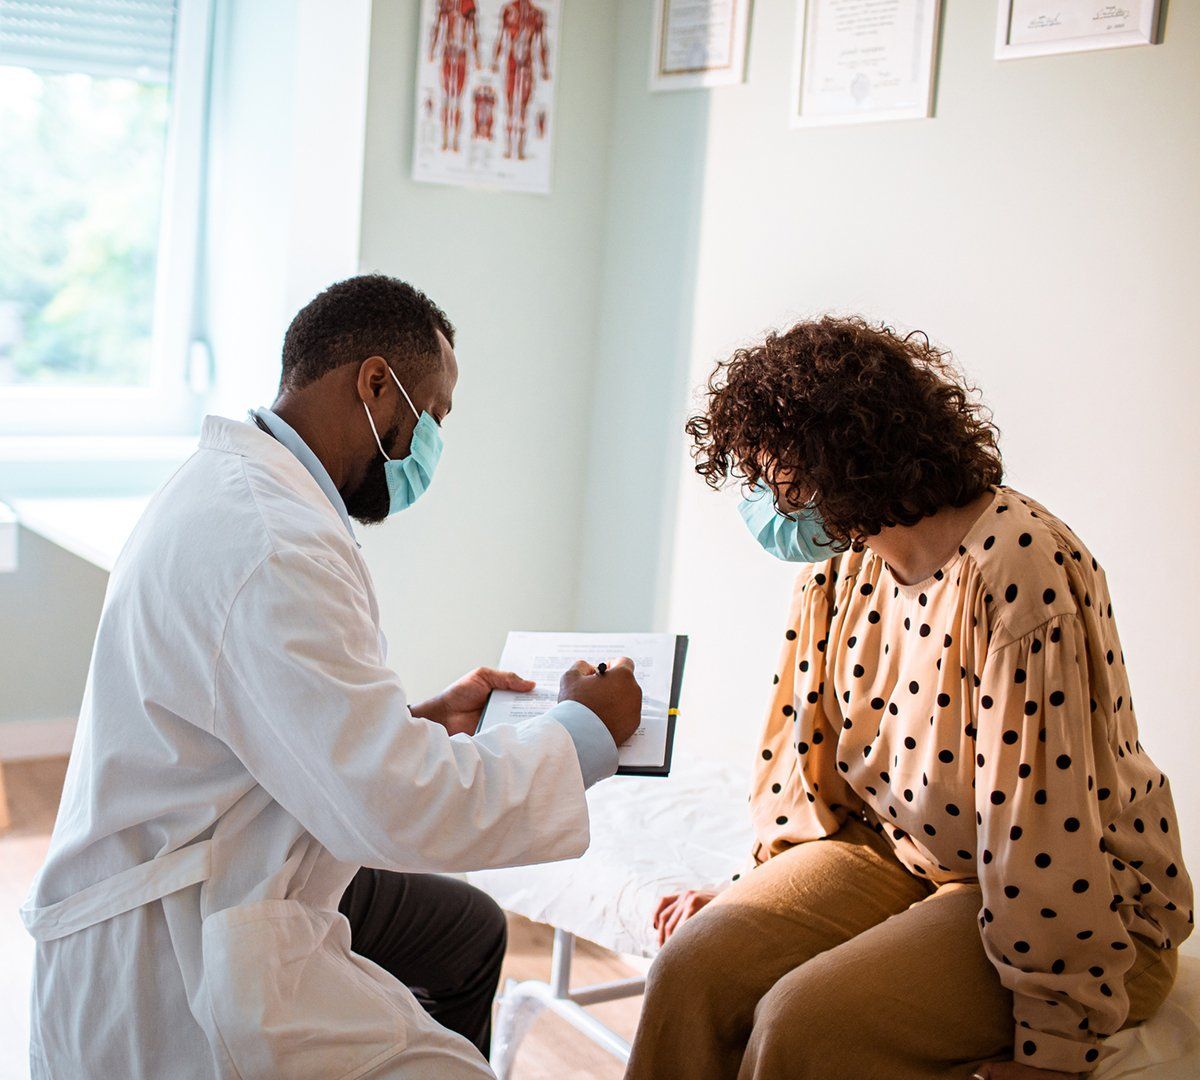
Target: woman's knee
(801, 1021)
(694, 964)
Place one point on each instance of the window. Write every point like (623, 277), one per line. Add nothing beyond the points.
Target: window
(101, 137)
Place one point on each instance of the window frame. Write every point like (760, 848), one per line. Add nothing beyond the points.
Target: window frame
(170, 401)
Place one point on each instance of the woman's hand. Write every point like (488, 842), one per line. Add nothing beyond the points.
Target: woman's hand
(675, 908)
(1014, 1070)
(459, 707)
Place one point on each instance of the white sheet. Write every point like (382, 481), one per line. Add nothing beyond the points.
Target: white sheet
(652, 836)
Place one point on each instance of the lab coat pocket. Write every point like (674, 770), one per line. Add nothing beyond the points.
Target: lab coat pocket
(288, 999)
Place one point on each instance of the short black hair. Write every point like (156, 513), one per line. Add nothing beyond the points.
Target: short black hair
(369, 315)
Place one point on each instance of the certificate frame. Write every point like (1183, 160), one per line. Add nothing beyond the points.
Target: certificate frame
(701, 76)
(925, 58)
(1145, 29)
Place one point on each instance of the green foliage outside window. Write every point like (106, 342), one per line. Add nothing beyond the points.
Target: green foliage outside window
(81, 175)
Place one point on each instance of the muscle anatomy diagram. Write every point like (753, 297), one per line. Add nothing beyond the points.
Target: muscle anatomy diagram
(523, 37)
(509, 101)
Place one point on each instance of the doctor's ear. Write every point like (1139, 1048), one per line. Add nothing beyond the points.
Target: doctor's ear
(374, 376)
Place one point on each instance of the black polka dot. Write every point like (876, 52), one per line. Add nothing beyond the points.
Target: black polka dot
(946, 755)
(998, 797)
(1080, 886)
(1021, 946)
(867, 589)
(1071, 824)
(1015, 833)
(1010, 594)
(1049, 913)
(1063, 761)
(910, 742)
(953, 811)
(1011, 891)
(987, 544)
(803, 665)
(1042, 860)
(1019, 675)
(873, 617)
(1009, 737)
(1039, 796)
(943, 700)
(1057, 698)
(1048, 596)
(1025, 540)
(790, 635)
(766, 755)
(986, 701)
(788, 710)
(877, 703)
(776, 788)
(781, 820)
(914, 687)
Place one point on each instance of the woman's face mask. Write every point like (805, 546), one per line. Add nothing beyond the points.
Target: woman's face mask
(797, 537)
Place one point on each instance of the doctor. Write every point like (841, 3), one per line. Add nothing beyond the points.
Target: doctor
(243, 750)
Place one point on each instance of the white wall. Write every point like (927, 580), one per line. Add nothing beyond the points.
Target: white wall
(284, 179)
(497, 543)
(1046, 226)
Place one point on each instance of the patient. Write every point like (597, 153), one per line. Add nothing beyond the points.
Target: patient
(998, 883)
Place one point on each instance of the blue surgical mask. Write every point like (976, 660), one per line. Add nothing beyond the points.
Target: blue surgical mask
(798, 537)
(408, 478)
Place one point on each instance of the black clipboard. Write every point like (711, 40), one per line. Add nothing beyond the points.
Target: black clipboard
(681, 647)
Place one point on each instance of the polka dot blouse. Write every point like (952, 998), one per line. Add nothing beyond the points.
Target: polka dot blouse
(982, 721)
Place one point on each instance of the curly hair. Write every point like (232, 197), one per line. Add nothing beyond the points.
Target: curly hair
(368, 315)
(871, 428)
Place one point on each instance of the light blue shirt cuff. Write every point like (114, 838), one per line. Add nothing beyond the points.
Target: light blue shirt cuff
(593, 744)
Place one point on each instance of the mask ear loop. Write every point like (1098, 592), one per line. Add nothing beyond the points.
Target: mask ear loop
(371, 419)
(405, 393)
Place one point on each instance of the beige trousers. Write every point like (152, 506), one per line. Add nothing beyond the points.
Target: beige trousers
(832, 962)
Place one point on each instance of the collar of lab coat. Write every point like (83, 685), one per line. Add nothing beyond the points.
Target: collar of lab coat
(282, 448)
(286, 434)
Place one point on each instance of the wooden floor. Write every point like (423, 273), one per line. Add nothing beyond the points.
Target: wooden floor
(553, 1050)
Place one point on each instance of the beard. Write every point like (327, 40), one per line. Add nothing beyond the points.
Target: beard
(370, 502)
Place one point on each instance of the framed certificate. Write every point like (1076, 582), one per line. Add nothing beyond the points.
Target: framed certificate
(699, 43)
(860, 60)
(1039, 28)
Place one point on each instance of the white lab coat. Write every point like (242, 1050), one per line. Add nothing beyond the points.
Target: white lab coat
(242, 750)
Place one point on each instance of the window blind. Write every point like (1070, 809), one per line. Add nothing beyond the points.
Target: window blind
(129, 38)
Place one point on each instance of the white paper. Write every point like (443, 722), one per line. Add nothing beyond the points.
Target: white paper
(543, 657)
(699, 43)
(485, 114)
(864, 60)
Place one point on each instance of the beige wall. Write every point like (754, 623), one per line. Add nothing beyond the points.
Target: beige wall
(1046, 226)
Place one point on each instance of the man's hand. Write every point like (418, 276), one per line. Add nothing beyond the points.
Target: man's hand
(615, 696)
(676, 908)
(1014, 1070)
(459, 707)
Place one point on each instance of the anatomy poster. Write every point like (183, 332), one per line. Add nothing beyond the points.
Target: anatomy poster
(485, 93)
